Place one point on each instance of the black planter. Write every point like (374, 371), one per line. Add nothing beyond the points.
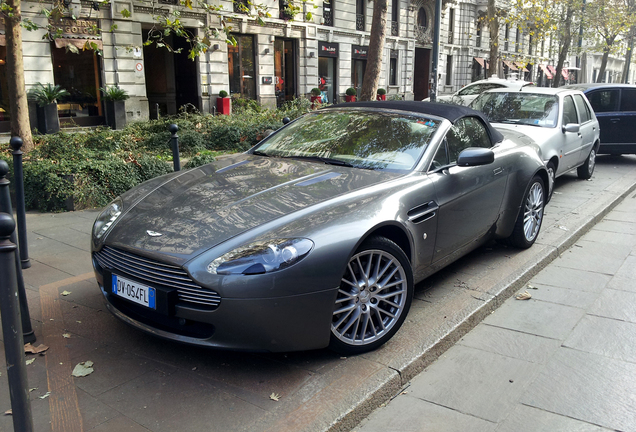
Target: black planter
(116, 114)
(48, 121)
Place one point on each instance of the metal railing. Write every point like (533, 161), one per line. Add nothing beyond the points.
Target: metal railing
(360, 22)
(394, 28)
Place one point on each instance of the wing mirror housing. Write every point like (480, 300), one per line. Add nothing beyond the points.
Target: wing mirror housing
(474, 156)
(571, 127)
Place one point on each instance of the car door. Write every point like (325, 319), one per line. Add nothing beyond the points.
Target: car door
(588, 128)
(626, 132)
(605, 103)
(469, 198)
(571, 141)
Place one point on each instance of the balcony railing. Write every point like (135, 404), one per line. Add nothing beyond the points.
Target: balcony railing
(394, 28)
(327, 16)
(360, 22)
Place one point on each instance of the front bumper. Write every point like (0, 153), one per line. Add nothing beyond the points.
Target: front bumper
(278, 324)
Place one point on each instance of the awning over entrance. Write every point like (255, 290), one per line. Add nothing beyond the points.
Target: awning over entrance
(510, 65)
(545, 70)
(521, 67)
(79, 43)
(552, 69)
(565, 73)
(480, 60)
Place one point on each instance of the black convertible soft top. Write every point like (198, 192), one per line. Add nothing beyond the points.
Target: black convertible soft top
(450, 112)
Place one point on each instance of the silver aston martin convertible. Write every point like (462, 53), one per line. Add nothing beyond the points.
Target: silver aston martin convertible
(316, 236)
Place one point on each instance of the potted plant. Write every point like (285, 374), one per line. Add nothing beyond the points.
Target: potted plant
(46, 97)
(381, 94)
(114, 99)
(223, 105)
(350, 94)
(316, 96)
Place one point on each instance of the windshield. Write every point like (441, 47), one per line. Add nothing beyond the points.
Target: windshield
(519, 108)
(362, 139)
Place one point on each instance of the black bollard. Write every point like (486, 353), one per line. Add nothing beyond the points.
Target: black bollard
(12, 330)
(18, 178)
(5, 207)
(173, 128)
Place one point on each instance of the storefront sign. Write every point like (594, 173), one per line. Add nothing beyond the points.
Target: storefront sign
(359, 52)
(70, 28)
(326, 49)
(267, 80)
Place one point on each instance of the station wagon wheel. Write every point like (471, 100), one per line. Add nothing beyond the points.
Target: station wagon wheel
(586, 170)
(373, 299)
(551, 177)
(530, 217)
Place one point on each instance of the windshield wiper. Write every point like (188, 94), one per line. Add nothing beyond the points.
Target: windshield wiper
(325, 160)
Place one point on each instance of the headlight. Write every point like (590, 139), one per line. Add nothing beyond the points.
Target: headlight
(262, 257)
(106, 218)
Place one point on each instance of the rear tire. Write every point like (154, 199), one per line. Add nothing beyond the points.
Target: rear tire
(374, 297)
(530, 216)
(586, 170)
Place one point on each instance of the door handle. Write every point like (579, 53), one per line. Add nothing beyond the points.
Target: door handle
(615, 120)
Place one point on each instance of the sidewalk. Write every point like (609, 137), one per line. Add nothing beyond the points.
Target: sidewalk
(563, 361)
(142, 384)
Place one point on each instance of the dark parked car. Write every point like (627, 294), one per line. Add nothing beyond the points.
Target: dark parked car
(317, 235)
(615, 108)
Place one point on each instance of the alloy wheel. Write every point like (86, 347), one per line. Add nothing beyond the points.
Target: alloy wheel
(533, 211)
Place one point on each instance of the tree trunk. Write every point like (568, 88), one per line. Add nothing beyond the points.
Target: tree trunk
(628, 55)
(601, 72)
(18, 105)
(493, 27)
(376, 47)
(565, 47)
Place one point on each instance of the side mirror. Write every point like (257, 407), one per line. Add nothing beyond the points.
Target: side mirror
(571, 127)
(474, 156)
(286, 120)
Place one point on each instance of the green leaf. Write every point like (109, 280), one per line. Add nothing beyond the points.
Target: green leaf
(125, 13)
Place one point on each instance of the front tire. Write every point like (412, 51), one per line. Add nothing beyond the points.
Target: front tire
(374, 297)
(530, 216)
(586, 170)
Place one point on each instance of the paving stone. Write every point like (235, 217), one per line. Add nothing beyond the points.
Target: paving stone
(617, 227)
(510, 343)
(474, 382)
(529, 419)
(41, 274)
(581, 280)
(587, 387)
(66, 235)
(119, 424)
(620, 305)
(398, 417)
(620, 216)
(564, 296)
(94, 412)
(536, 317)
(625, 277)
(597, 257)
(604, 336)
(598, 235)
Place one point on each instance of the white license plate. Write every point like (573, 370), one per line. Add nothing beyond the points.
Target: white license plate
(133, 291)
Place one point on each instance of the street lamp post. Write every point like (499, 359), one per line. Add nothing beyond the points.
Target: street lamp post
(436, 32)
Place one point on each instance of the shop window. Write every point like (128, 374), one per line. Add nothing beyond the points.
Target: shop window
(80, 75)
(241, 67)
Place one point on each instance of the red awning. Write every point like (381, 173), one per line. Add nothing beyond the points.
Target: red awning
(552, 69)
(565, 73)
(545, 70)
(510, 65)
(481, 61)
(521, 66)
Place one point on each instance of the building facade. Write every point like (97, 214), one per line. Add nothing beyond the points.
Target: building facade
(281, 59)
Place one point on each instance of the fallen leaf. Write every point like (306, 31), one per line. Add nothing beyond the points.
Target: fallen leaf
(563, 228)
(33, 389)
(45, 395)
(30, 361)
(275, 397)
(83, 369)
(79, 322)
(194, 368)
(66, 335)
(8, 412)
(30, 349)
(523, 296)
(532, 286)
(65, 293)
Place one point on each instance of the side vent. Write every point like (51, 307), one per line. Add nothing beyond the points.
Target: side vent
(423, 212)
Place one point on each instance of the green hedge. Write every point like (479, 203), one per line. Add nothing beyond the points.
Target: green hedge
(94, 167)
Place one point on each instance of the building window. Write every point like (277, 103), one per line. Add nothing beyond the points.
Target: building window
(517, 40)
(284, 10)
(449, 69)
(422, 19)
(360, 11)
(530, 45)
(393, 64)
(506, 35)
(241, 67)
(241, 6)
(327, 12)
(478, 38)
(451, 25)
(395, 16)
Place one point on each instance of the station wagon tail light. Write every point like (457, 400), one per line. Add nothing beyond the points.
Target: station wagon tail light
(262, 257)
(106, 218)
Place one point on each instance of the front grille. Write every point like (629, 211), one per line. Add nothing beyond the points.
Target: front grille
(158, 273)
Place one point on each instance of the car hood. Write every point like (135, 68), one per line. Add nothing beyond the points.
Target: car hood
(539, 135)
(203, 207)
